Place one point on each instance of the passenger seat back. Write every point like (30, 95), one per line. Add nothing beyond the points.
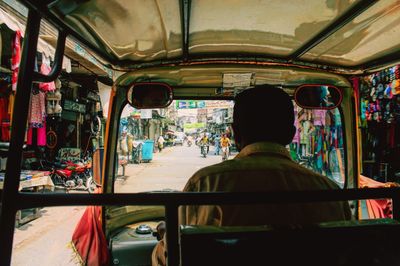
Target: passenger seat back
(366, 242)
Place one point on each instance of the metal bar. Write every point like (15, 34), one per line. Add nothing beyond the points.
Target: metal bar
(30, 200)
(58, 59)
(20, 115)
(110, 154)
(185, 6)
(172, 231)
(337, 24)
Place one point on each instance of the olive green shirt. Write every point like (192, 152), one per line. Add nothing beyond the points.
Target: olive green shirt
(261, 167)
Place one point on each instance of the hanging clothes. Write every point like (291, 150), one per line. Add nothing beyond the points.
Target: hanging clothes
(4, 120)
(37, 109)
(4, 115)
(296, 138)
(319, 117)
(41, 139)
(16, 58)
(11, 100)
(45, 69)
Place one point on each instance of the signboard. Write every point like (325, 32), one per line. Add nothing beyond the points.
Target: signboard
(219, 104)
(204, 104)
(233, 80)
(69, 154)
(74, 106)
(68, 115)
(146, 113)
(190, 104)
(93, 96)
(194, 125)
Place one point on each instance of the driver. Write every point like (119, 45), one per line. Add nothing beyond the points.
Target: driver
(263, 124)
(204, 141)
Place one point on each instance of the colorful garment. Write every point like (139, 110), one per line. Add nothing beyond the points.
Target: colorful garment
(16, 58)
(37, 109)
(41, 138)
(319, 117)
(45, 69)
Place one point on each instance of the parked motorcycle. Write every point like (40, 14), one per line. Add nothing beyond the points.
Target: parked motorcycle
(72, 175)
(83, 175)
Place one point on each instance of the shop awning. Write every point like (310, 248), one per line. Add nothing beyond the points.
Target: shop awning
(14, 18)
(74, 51)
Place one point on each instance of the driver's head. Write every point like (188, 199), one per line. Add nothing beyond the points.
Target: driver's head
(263, 113)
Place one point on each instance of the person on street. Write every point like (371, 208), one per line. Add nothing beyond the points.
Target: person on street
(263, 164)
(124, 143)
(160, 143)
(217, 144)
(204, 142)
(189, 140)
(130, 147)
(225, 144)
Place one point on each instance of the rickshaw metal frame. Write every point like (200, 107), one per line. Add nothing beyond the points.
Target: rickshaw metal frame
(185, 5)
(13, 200)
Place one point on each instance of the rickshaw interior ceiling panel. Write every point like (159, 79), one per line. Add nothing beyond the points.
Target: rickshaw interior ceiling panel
(263, 27)
(373, 34)
(130, 29)
(129, 33)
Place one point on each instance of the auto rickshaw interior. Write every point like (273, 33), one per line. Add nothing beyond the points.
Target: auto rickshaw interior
(211, 50)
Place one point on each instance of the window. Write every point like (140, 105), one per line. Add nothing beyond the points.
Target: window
(147, 162)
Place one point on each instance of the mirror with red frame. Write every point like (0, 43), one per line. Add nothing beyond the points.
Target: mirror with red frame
(318, 96)
(148, 95)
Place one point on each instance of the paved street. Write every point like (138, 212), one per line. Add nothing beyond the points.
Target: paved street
(170, 169)
(45, 241)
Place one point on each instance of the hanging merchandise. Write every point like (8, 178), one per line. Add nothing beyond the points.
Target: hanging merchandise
(379, 99)
(53, 100)
(318, 143)
(45, 70)
(16, 58)
(37, 117)
(4, 105)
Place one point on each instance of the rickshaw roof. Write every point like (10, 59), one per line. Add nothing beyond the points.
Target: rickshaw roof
(346, 35)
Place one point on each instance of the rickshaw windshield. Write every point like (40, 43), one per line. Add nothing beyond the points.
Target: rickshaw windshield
(150, 159)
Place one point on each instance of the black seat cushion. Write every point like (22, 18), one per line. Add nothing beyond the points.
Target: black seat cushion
(368, 242)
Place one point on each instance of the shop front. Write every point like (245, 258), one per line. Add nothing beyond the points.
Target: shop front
(318, 142)
(379, 116)
(64, 118)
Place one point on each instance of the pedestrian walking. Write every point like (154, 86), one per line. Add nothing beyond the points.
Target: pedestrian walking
(160, 143)
(217, 144)
(225, 144)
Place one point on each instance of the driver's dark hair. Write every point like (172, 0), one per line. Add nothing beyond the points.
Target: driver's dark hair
(264, 113)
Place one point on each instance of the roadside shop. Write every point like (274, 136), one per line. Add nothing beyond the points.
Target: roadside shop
(318, 142)
(379, 116)
(65, 116)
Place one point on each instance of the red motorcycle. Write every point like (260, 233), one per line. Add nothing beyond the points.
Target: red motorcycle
(73, 176)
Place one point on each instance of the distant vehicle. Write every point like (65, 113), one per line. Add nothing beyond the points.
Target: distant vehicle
(178, 141)
(180, 136)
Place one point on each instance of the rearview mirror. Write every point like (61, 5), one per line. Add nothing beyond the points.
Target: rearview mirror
(148, 95)
(318, 96)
